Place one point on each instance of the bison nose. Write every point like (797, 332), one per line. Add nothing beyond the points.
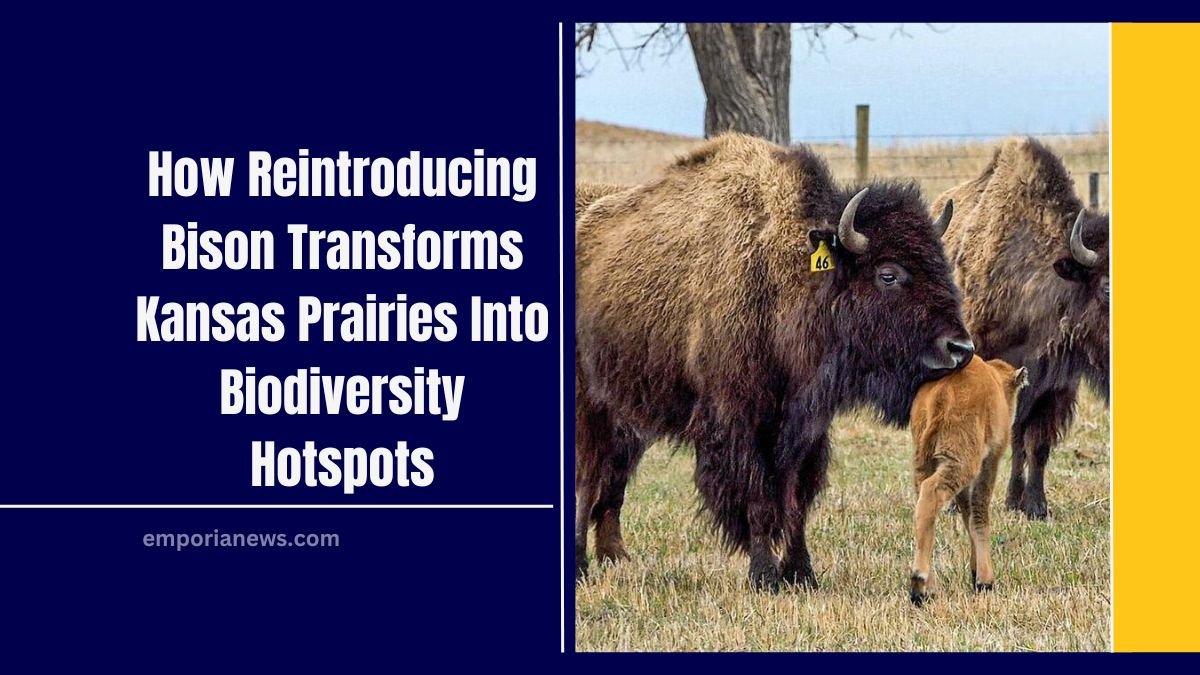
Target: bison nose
(960, 350)
(949, 353)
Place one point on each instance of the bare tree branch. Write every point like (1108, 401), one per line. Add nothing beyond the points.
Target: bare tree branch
(815, 33)
(585, 35)
(590, 38)
(901, 30)
(664, 39)
(585, 38)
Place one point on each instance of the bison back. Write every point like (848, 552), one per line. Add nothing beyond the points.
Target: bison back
(1009, 227)
(586, 193)
(677, 280)
(963, 413)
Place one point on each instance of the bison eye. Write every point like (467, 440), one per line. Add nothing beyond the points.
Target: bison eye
(890, 276)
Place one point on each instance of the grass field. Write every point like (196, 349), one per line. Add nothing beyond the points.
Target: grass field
(682, 592)
(610, 154)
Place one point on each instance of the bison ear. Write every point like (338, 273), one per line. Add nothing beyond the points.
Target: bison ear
(1070, 270)
(815, 237)
(1021, 378)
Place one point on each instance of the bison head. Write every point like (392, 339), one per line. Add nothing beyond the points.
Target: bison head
(1086, 315)
(897, 316)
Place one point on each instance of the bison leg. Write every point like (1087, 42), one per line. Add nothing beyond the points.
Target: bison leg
(980, 529)
(627, 450)
(797, 564)
(738, 489)
(584, 498)
(935, 492)
(803, 488)
(1033, 502)
(764, 564)
(1049, 417)
(763, 515)
(962, 504)
(1016, 479)
(605, 454)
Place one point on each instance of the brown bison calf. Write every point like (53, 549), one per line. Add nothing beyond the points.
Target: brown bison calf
(961, 426)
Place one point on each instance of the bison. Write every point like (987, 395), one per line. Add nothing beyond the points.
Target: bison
(586, 193)
(1032, 265)
(698, 318)
(960, 429)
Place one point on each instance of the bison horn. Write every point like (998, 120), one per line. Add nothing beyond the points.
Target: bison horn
(943, 222)
(1080, 252)
(852, 239)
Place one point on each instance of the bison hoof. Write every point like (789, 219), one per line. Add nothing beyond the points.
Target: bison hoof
(983, 588)
(1012, 501)
(611, 554)
(919, 590)
(765, 577)
(581, 569)
(1035, 510)
(804, 578)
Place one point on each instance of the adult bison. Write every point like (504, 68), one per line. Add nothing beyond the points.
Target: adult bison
(698, 318)
(1032, 264)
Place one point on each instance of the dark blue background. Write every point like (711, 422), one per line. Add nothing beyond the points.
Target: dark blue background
(96, 417)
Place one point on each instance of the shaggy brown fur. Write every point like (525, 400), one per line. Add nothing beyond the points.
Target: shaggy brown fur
(586, 193)
(1027, 300)
(960, 429)
(698, 318)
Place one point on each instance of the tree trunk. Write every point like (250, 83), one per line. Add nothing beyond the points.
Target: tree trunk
(745, 69)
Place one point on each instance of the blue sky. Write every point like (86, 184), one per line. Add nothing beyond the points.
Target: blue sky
(958, 79)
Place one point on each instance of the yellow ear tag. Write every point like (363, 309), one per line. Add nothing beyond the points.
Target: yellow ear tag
(822, 259)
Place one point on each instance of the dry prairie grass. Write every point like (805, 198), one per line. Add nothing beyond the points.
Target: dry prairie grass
(610, 154)
(682, 592)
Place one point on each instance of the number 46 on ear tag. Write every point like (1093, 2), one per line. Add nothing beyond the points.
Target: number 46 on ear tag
(822, 259)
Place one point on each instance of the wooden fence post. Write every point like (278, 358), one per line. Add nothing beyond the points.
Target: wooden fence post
(862, 126)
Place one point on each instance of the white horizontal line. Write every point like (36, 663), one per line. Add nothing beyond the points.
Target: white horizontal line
(276, 506)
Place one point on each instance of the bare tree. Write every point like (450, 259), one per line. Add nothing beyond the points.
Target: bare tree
(745, 68)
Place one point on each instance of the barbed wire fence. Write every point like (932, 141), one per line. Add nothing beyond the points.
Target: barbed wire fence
(936, 161)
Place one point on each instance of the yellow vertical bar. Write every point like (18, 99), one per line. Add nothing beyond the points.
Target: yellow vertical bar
(1156, 302)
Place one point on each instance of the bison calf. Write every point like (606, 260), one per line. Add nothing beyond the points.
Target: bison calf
(961, 425)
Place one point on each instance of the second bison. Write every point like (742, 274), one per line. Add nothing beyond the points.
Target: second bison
(699, 318)
(1032, 264)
